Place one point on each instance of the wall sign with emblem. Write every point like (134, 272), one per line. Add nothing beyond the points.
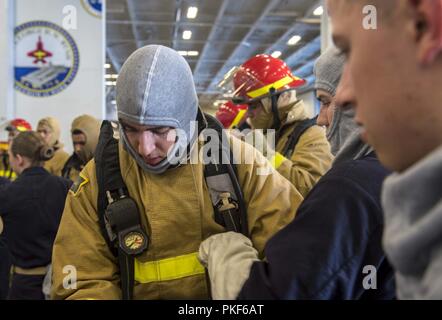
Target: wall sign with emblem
(93, 7)
(47, 58)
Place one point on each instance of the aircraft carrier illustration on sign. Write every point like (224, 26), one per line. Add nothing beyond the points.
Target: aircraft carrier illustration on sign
(47, 59)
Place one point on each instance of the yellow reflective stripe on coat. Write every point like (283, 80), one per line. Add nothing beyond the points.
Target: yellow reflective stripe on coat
(277, 160)
(238, 118)
(168, 269)
(8, 174)
(78, 184)
(264, 90)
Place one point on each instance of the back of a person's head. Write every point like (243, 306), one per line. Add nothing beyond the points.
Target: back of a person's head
(30, 144)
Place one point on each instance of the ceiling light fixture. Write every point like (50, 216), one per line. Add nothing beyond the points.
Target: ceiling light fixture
(192, 53)
(318, 11)
(294, 40)
(192, 12)
(276, 54)
(189, 53)
(187, 34)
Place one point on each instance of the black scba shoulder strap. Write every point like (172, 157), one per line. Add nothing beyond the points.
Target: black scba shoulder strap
(222, 182)
(118, 214)
(72, 162)
(119, 217)
(300, 128)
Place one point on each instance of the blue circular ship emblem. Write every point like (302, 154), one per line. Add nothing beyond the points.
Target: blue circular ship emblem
(93, 7)
(47, 58)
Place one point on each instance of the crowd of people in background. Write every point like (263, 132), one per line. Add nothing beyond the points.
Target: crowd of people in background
(36, 174)
(350, 206)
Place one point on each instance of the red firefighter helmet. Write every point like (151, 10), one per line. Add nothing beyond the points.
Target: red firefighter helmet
(19, 125)
(255, 77)
(231, 115)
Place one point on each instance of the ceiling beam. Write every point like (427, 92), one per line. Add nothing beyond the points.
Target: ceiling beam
(189, 24)
(218, 19)
(114, 59)
(177, 23)
(224, 42)
(304, 54)
(296, 27)
(254, 27)
(132, 16)
(282, 41)
(310, 21)
(306, 69)
(190, 60)
(286, 14)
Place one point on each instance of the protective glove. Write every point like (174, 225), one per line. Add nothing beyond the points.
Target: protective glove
(228, 258)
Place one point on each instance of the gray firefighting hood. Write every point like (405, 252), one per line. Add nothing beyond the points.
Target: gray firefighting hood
(155, 87)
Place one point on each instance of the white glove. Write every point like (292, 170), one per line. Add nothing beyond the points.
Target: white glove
(228, 257)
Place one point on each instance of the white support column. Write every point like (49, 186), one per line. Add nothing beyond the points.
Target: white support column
(326, 29)
(7, 14)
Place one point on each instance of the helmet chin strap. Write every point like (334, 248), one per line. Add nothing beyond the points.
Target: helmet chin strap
(274, 102)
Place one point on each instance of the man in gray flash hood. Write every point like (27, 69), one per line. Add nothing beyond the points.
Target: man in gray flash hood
(155, 88)
(156, 104)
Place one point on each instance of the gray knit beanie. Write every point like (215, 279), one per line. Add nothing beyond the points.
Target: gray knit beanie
(328, 70)
(155, 87)
(343, 133)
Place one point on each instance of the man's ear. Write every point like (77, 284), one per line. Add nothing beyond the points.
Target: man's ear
(20, 160)
(428, 28)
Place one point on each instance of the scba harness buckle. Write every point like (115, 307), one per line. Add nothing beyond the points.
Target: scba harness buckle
(228, 211)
